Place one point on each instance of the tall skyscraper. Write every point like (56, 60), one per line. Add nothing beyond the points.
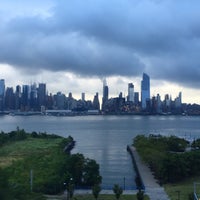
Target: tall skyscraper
(2, 92)
(33, 97)
(25, 97)
(159, 104)
(96, 105)
(178, 100)
(136, 98)
(9, 99)
(105, 94)
(83, 96)
(2, 87)
(130, 92)
(145, 90)
(18, 94)
(42, 94)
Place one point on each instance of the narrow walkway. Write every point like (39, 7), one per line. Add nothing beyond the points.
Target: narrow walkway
(152, 188)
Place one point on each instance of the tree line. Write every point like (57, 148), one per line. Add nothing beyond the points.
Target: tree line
(167, 157)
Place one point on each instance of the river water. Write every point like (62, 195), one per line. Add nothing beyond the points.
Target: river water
(105, 138)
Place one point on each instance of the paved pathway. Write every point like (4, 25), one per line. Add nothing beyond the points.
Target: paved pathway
(152, 188)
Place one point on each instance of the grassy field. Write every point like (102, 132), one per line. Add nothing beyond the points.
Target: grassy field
(184, 189)
(20, 149)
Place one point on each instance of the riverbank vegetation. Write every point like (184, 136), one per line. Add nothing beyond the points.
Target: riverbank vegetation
(172, 160)
(101, 197)
(32, 164)
(164, 154)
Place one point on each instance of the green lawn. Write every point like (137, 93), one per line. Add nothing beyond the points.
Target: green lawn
(184, 188)
(20, 149)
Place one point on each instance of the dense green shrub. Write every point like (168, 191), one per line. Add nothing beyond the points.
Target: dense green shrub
(167, 158)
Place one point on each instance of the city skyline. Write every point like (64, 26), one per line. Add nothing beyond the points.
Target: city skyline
(104, 93)
(57, 42)
(36, 98)
(40, 89)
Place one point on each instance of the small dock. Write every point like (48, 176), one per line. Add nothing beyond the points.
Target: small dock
(149, 183)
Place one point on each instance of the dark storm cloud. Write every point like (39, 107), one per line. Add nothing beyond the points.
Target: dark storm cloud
(104, 38)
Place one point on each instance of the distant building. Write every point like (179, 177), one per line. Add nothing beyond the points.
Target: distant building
(42, 94)
(60, 100)
(120, 95)
(71, 103)
(96, 104)
(2, 92)
(33, 97)
(70, 95)
(178, 100)
(130, 92)
(18, 94)
(25, 98)
(167, 104)
(83, 96)
(136, 98)
(9, 99)
(105, 94)
(2, 87)
(145, 90)
(159, 104)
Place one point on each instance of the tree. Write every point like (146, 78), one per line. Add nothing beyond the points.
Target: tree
(96, 189)
(70, 190)
(140, 195)
(91, 173)
(75, 167)
(117, 190)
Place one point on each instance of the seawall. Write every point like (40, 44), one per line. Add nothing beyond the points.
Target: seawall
(139, 182)
(148, 182)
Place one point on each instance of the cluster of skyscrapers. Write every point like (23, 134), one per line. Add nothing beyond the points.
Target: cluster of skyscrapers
(34, 97)
(133, 105)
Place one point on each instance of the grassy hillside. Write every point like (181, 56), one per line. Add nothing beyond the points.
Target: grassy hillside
(17, 150)
(44, 156)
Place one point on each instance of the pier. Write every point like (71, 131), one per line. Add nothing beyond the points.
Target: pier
(148, 182)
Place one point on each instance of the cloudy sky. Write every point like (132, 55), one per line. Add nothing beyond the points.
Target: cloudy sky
(72, 45)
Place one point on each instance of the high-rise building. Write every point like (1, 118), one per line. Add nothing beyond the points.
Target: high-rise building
(145, 90)
(42, 94)
(96, 104)
(105, 94)
(136, 98)
(33, 97)
(9, 99)
(130, 92)
(18, 94)
(159, 104)
(60, 100)
(2, 92)
(2, 87)
(178, 100)
(83, 96)
(25, 98)
(180, 97)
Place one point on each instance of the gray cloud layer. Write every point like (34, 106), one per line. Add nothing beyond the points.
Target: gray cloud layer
(104, 38)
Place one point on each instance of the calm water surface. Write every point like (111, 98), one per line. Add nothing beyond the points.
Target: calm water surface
(104, 138)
